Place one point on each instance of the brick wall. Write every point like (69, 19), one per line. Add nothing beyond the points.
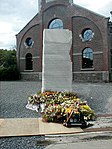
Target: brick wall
(76, 19)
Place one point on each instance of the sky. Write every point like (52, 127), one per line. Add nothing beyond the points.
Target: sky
(15, 14)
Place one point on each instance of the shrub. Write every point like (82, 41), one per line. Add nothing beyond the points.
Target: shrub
(8, 65)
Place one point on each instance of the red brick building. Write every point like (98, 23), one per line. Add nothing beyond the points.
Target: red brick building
(91, 51)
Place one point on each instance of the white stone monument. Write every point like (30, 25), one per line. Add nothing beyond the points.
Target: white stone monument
(57, 65)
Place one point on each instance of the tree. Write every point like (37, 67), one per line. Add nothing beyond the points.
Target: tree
(8, 65)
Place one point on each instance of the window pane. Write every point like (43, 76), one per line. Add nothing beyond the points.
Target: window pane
(56, 24)
(87, 58)
(28, 41)
(29, 64)
(87, 35)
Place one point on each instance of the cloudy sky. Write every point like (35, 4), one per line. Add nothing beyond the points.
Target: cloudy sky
(15, 14)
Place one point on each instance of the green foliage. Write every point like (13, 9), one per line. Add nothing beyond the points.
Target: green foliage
(8, 65)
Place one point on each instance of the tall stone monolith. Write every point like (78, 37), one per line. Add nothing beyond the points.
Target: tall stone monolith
(56, 64)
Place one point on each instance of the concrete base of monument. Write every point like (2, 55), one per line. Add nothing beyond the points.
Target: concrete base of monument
(32, 127)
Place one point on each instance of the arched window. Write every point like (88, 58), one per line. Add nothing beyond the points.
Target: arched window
(87, 58)
(29, 61)
(56, 24)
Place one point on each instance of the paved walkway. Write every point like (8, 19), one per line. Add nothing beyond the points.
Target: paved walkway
(32, 127)
(105, 144)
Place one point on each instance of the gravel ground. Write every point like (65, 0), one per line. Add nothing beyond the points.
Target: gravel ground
(98, 96)
(13, 99)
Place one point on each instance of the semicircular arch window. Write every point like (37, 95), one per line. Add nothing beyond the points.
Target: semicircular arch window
(56, 24)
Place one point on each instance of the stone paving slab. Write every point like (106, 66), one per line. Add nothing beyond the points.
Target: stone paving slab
(32, 127)
(18, 127)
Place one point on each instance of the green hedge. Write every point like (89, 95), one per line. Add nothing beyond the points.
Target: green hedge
(8, 74)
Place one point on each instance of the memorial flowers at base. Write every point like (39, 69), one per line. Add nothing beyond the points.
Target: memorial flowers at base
(57, 106)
